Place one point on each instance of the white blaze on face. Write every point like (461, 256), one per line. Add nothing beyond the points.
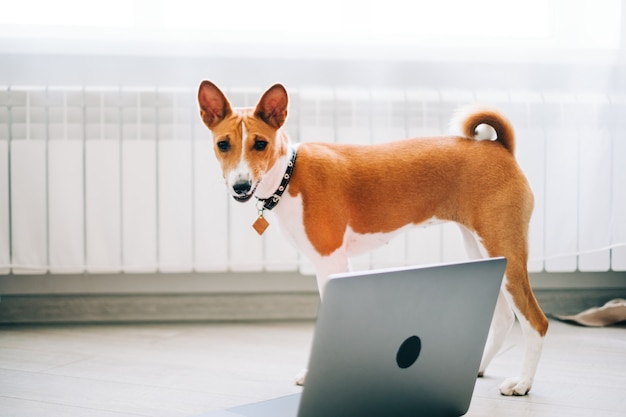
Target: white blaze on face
(242, 170)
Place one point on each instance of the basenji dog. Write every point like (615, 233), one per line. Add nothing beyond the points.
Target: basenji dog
(334, 201)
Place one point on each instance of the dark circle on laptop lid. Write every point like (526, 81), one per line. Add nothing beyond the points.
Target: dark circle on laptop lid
(408, 352)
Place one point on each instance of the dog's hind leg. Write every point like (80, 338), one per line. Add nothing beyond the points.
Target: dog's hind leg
(516, 296)
(503, 317)
(473, 247)
(516, 290)
(501, 324)
(533, 323)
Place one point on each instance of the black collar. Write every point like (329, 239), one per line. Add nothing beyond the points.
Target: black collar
(271, 202)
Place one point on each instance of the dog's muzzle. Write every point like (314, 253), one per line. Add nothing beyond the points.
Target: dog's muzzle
(243, 191)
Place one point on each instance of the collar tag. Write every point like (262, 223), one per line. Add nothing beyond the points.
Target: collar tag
(260, 224)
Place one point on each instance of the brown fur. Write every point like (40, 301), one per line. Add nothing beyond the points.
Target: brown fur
(384, 187)
(484, 190)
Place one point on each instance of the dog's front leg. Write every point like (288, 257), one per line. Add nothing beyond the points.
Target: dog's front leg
(301, 377)
(325, 266)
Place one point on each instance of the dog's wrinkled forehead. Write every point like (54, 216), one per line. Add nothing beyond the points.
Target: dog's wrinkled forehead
(241, 124)
(233, 126)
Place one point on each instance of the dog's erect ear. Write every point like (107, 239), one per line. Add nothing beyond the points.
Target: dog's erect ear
(272, 107)
(214, 105)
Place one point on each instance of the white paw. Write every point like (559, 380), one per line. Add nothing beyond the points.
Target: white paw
(516, 386)
(301, 377)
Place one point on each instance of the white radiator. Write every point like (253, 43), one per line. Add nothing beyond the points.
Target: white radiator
(106, 180)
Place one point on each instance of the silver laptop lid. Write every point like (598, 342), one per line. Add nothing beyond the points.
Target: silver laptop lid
(401, 342)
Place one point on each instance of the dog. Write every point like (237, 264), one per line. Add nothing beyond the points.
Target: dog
(334, 201)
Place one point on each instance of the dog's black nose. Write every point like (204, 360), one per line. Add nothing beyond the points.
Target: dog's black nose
(242, 187)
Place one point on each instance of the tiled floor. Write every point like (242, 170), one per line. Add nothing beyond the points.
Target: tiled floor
(189, 369)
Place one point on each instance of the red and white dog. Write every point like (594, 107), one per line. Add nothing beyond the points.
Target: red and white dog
(334, 201)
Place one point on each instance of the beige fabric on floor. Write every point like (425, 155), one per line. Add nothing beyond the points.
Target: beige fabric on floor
(612, 312)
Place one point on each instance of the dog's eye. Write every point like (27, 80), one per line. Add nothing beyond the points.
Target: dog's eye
(223, 145)
(260, 145)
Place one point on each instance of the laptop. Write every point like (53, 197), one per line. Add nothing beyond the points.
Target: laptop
(394, 342)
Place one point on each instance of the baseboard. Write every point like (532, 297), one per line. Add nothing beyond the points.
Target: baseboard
(98, 308)
(93, 308)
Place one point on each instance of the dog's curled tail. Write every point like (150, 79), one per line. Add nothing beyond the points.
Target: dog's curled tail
(470, 122)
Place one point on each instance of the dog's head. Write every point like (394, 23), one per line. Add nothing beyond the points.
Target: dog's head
(248, 141)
